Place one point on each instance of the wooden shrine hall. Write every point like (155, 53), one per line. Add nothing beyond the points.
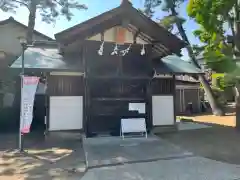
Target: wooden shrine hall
(109, 68)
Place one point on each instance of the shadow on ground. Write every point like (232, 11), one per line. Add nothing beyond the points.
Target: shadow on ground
(217, 143)
(55, 157)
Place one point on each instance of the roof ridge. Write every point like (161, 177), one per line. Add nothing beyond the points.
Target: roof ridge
(126, 3)
(11, 18)
(44, 43)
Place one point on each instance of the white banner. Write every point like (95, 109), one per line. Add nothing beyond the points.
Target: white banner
(29, 87)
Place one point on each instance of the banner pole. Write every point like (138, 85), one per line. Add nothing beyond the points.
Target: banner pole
(28, 90)
(21, 99)
(20, 134)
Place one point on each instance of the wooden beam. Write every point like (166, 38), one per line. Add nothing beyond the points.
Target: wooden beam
(102, 36)
(154, 30)
(135, 36)
(61, 48)
(91, 32)
(162, 50)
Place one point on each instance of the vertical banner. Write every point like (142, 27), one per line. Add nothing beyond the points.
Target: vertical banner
(28, 91)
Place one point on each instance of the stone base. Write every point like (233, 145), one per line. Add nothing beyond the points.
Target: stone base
(165, 129)
(73, 135)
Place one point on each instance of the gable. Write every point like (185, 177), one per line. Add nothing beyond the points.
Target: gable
(10, 31)
(133, 20)
(111, 35)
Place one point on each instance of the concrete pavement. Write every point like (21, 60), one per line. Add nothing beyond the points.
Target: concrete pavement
(109, 151)
(111, 158)
(190, 168)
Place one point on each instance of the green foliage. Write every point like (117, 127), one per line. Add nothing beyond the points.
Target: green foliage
(218, 63)
(217, 55)
(216, 75)
(169, 21)
(219, 94)
(234, 76)
(150, 5)
(168, 4)
(213, 16)
(210, 14)
(222, 81)
(49, 10)
(171, 6)
(219, 81)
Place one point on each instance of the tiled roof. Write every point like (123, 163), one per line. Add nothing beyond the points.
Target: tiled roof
(175, 65)
(46, 58)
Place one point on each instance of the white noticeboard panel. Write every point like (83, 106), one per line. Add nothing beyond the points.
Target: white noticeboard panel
(163, 110)
(133, 125)
(140, 107)
(66, 113)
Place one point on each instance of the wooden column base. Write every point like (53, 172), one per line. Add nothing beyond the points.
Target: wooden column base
(238, 116)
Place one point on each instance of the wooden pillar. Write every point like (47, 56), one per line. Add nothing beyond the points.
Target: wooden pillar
(174, 99)
(149, 105)
(86, 106)
(86, 98)
(47, 106)
(238, 117)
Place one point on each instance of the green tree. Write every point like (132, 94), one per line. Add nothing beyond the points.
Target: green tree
(174, 19)
(216, 18)
(49, 10)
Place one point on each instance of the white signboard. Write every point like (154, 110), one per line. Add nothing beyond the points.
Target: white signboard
(140, 107)
(29, 86)
(133, 125)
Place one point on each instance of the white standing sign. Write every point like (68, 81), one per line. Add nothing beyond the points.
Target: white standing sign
(29, 87)
(133, 125)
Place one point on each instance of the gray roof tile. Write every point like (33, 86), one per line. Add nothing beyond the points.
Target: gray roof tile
(46, 58)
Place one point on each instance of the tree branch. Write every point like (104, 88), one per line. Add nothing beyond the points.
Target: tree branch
(176, 34)
(58, 3)
(230, 21)
(21, 3)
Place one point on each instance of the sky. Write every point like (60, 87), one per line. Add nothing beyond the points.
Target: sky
(96, 7)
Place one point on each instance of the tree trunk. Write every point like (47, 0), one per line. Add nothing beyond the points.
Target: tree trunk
(236, 34)
(237, 55)
(212, 101)
(31, 21)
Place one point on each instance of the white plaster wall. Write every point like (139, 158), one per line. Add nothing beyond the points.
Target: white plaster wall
(187, 86)
(163, 110)
(110, 36)
(66, 113)
(9, 38)
(56, 73)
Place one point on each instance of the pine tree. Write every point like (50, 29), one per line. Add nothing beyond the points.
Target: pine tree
(49, 10)
(174, 19)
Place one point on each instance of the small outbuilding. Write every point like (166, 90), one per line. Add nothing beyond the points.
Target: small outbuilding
(188, 95)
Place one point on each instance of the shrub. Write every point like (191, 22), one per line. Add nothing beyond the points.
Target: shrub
(219, 94)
